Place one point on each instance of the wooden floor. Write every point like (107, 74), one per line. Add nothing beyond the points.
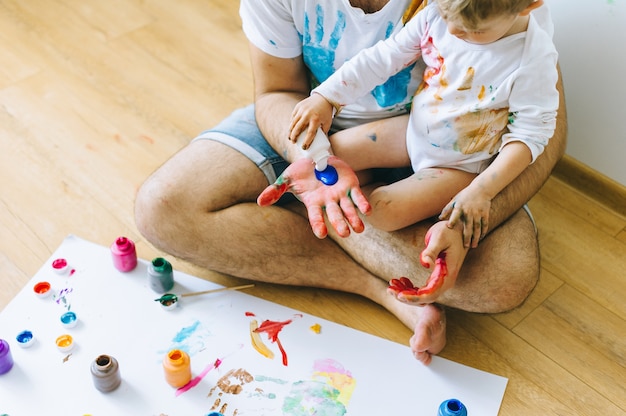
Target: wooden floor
(94, 95)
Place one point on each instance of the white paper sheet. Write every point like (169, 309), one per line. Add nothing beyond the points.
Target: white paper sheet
(339, 371)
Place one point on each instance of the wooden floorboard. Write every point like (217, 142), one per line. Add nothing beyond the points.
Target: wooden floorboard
(95, 95)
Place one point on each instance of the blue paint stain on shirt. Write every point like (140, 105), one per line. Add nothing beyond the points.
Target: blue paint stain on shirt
(319, 56)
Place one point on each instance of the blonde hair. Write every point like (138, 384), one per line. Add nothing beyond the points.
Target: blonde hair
(472, 12)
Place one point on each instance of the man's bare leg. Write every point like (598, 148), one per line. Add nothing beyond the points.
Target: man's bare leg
(200, 207)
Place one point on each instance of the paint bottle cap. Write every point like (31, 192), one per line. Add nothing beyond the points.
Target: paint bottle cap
(60, 266)
(42, 289)
(168, 301)
(65, 343)
(25, 339)
(328, 176)
(69, 319)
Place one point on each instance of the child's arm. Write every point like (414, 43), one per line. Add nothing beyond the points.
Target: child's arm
(473, 203)
(311, 113)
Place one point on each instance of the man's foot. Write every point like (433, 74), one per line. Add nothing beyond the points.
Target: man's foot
(429, 336)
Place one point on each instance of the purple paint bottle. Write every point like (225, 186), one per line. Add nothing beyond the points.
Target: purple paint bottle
(124, 254)
(6, 359)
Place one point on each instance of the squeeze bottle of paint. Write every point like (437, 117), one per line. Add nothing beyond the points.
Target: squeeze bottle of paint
(6, 359)
(124, 254)
(452, 407)
(105, 372)
(177, 367)
(319, 152)
(160, 275)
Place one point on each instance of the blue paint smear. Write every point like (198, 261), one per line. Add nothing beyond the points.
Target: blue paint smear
(319, 54)
(186, 332)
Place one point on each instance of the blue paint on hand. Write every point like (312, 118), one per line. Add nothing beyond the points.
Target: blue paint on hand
(327, 176)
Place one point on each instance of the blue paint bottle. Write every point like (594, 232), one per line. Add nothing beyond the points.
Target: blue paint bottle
(160, 275)
(6, 359)
(319, 152)
(452, 407)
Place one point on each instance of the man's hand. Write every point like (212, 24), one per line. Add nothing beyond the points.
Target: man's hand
(444, 253)
(340, 201)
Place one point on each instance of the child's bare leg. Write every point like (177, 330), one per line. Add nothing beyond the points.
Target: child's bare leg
(420, 196)
(379, 144)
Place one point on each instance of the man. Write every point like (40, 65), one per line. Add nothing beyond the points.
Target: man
(200, 205)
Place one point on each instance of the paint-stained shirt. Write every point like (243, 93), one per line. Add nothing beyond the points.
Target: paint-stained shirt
(327, 33)
(473, 99)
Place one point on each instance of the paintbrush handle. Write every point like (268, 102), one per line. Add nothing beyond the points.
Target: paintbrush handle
(222, 289)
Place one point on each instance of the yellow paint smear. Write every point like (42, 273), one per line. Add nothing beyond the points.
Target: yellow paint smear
(256, 341)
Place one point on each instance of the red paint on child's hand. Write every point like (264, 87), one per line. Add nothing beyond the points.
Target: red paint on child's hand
(404, 289)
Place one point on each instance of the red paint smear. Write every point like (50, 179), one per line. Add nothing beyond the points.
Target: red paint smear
(405, 287)
(72, 271)
(250, 314)
(273, 328)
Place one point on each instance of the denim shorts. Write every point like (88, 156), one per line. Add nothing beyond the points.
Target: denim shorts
(240, 131)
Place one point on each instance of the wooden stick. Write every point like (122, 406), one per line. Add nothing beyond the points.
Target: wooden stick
(222, 289)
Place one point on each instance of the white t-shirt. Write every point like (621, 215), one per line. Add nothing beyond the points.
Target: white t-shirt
(328, 33)
(474, 98)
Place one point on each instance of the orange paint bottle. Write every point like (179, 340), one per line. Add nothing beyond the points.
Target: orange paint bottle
(177, 367)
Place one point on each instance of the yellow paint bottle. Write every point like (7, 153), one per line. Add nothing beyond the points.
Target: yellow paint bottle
(177, 367)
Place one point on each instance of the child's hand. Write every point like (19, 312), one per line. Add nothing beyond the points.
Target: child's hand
(472, 209)
(308, 115)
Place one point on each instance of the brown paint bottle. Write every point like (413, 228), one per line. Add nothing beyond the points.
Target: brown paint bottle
(105, 372)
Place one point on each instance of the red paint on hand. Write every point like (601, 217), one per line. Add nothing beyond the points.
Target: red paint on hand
(272, 194)
(403, 287)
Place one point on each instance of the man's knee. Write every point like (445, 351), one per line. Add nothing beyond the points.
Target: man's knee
(520, 261)
(150, 208)
(503, 271)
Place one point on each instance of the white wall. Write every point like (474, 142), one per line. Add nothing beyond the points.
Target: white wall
(590, 36)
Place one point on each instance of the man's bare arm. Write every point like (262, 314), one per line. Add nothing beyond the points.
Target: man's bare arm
(279, 84)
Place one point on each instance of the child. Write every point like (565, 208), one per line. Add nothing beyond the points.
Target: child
(485, 110)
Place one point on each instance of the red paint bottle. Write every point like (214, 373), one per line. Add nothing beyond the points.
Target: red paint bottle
(124, 254)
